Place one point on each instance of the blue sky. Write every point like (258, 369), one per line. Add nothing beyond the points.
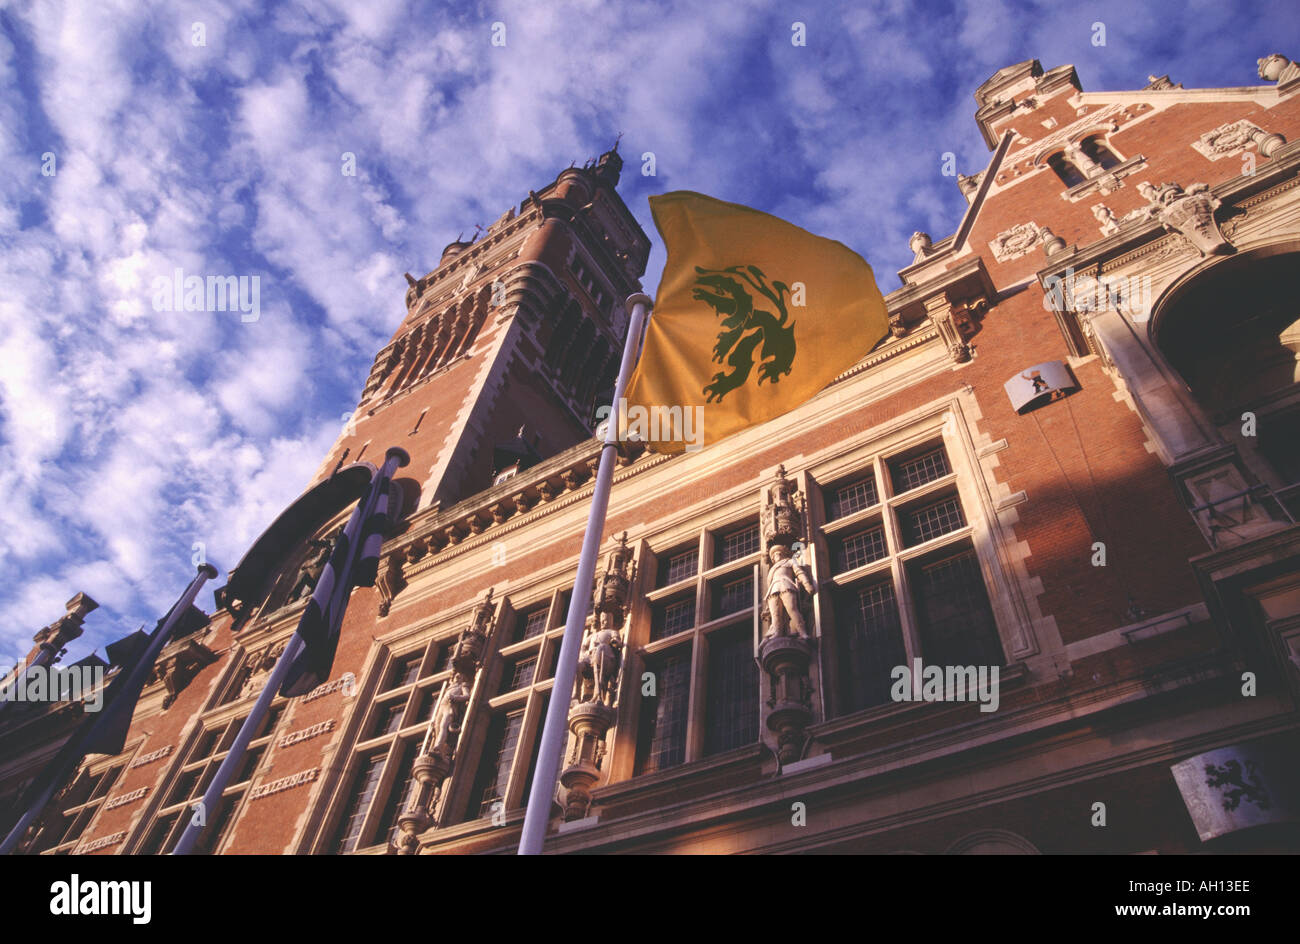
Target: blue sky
(129, 434)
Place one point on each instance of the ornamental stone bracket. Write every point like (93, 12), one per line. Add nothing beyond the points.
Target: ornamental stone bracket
(176, 668)
(956, 322)
(600, 662)
(437, 757)
(785, 652)
(390, 580)
(1190, 212)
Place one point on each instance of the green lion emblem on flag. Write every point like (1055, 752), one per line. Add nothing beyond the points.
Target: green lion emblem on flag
(746, 328)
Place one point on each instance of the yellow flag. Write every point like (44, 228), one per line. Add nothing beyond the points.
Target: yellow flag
(754, 316)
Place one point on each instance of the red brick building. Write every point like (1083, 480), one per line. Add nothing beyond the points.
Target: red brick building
(1073, 460)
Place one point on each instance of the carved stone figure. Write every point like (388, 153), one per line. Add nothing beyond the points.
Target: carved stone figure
(468, 654)
(612, 585)
(449, 713)
(782, 519)
(605, 652)
(785, 580)
(312, 568)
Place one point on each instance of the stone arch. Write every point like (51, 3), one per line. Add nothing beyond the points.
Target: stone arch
(413, 356)
(1229, 328)
(992, 842)
(1065, 169)
(477, 317)
(459, 325)
(1098, 149)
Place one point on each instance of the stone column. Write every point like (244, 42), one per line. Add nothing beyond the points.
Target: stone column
(595, 706)
(437, 758)
(786, 649)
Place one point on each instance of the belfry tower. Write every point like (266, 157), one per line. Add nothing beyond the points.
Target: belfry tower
(508, 342)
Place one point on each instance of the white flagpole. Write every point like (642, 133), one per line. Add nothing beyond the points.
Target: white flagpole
(549, 753)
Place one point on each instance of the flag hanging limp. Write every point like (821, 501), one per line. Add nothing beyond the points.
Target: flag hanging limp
(754, 316)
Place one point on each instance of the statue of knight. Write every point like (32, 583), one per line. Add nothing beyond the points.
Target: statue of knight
(787, 583)
(790, 585)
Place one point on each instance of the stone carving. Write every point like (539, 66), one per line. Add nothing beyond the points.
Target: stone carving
(787, 580)
(600, 661)
(449, 715)
(1052, 244)
(1015, 242)
(415, 289)
(786, 650)
(178, 664)
(390, 581)
(468, 652)
(258, 666)
(920, 245)
(599, 665)
(1189, 212)
(955, 323)
(1105, 219)
(437, 757)
(1226, 140)
(313, 567)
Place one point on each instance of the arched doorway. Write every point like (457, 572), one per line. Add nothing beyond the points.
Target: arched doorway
(1232, 333)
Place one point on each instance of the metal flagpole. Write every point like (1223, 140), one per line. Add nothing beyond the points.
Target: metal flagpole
(337, 604)
(87, 735)
(549, 754)
(212, 798)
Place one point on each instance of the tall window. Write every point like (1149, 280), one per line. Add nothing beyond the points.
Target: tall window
(517, 708)
(897, 534)
(378, 780)
(661, 741)
(731, 700)
(82, 802)
(705, 618)
(205, 755)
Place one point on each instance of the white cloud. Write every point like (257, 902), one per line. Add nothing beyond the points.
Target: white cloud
(131, 433)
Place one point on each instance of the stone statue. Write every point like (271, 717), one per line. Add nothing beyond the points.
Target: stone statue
(605, 654)
(785, 579)
(312, 568)
(449, 712)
